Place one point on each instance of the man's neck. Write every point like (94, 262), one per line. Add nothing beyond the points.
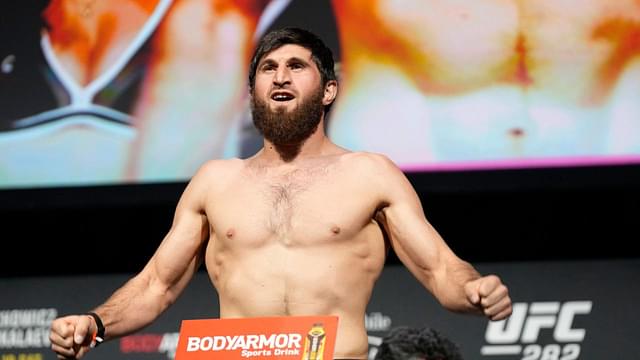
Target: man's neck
(316, 144)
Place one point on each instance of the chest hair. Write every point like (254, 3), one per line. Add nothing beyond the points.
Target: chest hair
(285, 194)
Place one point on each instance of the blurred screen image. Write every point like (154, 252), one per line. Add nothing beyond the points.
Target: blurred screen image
(145, 91)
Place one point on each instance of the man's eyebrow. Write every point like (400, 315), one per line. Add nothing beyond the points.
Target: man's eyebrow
(266, 61)
(297, 60)
(291, 60)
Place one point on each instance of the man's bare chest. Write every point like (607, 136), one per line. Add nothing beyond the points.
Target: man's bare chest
(308, 207)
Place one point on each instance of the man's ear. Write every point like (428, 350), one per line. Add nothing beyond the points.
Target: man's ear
(330, 92)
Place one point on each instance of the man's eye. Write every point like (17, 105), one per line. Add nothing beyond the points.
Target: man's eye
(268, 68)
(296, 66)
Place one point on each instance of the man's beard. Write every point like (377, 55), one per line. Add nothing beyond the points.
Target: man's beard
(282, 127)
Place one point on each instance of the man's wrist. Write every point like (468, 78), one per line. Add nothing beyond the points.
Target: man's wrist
(98, 335)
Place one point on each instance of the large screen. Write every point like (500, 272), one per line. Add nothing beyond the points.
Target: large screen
(145, 91)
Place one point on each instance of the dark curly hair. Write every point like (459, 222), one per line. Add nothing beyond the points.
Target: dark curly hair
(407, 343)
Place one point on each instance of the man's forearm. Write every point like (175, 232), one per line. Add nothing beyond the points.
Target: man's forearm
(451, 293)
(132, 307)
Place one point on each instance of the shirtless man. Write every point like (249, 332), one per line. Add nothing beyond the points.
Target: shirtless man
(293, 230)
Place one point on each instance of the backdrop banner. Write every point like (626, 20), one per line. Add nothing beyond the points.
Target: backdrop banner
(562, 310)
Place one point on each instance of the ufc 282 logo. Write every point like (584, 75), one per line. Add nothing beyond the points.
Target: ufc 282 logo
(518, 335)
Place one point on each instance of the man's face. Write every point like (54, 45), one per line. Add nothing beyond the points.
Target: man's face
(288, 98)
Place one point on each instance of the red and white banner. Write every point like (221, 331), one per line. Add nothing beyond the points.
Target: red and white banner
(299, 337)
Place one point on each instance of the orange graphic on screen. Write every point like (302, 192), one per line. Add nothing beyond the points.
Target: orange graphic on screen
(140, 91)
(491, 82)
(149, 90)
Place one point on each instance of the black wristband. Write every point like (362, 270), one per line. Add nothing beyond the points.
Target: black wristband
(99, 336)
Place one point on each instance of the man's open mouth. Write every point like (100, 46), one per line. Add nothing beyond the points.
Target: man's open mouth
(282, 96)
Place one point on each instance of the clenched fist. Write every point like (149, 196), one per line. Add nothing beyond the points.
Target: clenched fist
(72, 336)
(490, 295)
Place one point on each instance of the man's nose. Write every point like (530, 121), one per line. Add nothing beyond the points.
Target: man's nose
(282, 76)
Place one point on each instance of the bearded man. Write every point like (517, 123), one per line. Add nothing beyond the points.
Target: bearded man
(294, 229)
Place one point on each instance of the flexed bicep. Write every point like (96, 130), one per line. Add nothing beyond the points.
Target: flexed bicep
(417, 243)
(182, 250)
(180, 254)
(414, 240)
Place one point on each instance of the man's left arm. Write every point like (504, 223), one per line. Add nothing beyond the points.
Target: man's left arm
(454, 282)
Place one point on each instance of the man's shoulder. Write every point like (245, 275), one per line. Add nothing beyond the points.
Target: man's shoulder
(373, 172)
(371, 161)
(221, 165)
(218, 169)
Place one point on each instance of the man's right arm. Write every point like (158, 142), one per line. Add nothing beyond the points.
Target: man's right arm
(144, 297)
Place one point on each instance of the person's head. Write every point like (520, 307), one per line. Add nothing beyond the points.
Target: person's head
(407, 343)
(292, 84)
(320, 53)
